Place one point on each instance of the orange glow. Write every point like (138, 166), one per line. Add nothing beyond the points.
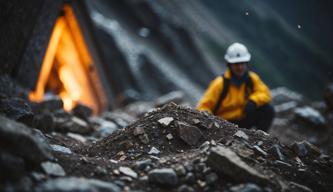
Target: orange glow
(68, 69)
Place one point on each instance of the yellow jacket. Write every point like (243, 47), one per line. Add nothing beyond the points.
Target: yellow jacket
(232, 106)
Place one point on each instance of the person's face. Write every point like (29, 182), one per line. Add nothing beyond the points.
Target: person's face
(238, 69)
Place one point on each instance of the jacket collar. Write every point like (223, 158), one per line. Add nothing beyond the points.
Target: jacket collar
(238, 82)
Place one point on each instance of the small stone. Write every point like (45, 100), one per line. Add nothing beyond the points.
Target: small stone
(101, 171)
(164, 176)
(282, 165)
(260, 151)
(211, 178)
(77, 137)
(154, 151)
(169, 136)
(141, 165)
(241, 134)
(128, 171)
(189, 134)
(201, 183)
(204, 146)
(185, 188)
(144, 138)
(82, 111)
(38, 176)
(138, 131)
(196, 121)
(61, 149)
(53, 169)
(165, 121)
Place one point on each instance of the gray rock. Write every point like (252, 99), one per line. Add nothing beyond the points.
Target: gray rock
(31, 146)
(44, 122)
(282, 165)
(185, 188)
(53, 169)
(180, 170)
(165, 121)
(164, 176)
(154, 151)
(190, 178)
(304, 148)
(77, 137)
(248, 187)
(76, 184)
(61, 149)
(138, 131)
(225, 161)
(11, 166)
(128, 171)
(141, 165)
(49, 105)
(241, 134)
(310, 115)
(15, 108)
(82, 111)
(74, 125)
(188, 133)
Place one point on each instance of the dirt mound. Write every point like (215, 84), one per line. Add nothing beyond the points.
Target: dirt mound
(171, 129)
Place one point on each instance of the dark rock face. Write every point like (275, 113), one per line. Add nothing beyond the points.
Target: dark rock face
(23, 142)
(228, 162)
(15, 108)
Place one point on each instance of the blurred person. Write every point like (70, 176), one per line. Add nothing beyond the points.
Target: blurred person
(239, 95)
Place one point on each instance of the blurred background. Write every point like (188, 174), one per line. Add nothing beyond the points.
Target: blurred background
(170, 44)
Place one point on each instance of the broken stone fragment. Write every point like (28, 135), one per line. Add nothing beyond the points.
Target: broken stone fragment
(304, 148)
(154, 151)
(53, 169)
(76, 184)
(260, 151)
(74, 125)
(128, 171)
(188, 133)
(164, 176)
(241, 134)
(61, 149)
(141, 165)
(169, 136)
(77, 137)
(196, 121)
(166, 121)
(185, 188)
(138, 131)
(227, 162)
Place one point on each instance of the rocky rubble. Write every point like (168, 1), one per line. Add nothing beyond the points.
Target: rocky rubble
(167, 148)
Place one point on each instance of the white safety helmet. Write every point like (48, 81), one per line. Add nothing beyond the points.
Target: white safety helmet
(237, 53)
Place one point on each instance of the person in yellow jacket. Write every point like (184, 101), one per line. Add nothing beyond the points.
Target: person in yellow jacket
(239, 95)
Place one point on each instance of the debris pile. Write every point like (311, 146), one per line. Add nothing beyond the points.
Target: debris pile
(168, 148)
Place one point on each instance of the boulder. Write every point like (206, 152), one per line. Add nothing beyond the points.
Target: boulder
(227, 162)
(24, 142)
